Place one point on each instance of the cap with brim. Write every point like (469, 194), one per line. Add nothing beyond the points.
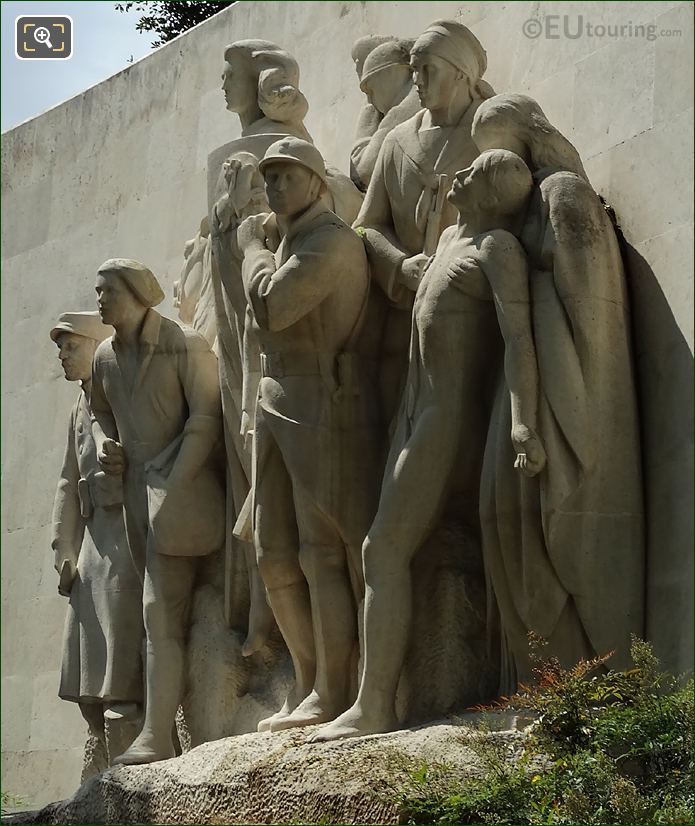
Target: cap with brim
(393, 53)
(295, 150)
(88, 325)
(137, 277)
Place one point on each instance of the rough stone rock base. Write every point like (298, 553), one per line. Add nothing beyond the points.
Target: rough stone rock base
(96, 759)
(274, 778)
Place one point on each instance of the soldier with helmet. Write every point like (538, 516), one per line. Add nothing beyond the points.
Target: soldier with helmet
(315, 443)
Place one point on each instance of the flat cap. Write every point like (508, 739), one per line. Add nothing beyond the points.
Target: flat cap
(295, 150)
(137, 277)
(88, 325)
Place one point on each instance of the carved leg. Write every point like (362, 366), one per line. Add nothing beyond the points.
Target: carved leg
(277, 544)
(166, 601)
(334, 617)
(387, 611)
(261, 620)
(410, 501)
(123, 722)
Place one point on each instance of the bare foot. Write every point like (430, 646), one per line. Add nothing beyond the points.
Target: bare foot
(287, 707)
(530, 453)
(309, 712)
(143, 750)
(354, 723)
(266, 722)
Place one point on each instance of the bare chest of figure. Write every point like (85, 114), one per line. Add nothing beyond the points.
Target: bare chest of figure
(454, 272)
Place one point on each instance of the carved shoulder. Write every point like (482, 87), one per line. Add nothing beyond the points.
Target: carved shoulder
(499, 248)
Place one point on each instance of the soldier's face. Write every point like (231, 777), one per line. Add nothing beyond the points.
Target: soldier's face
(75, 354)
(116, 303)
(436, 80)
(290, 188)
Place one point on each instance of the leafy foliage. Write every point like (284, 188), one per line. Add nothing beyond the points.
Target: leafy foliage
(172, 18)
(11, 802)
(606, 747)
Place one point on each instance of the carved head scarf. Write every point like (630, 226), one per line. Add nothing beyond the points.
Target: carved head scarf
(456, 44)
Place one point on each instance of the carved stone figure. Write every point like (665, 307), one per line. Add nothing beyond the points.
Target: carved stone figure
(239, 368)
(306, 279)
(405, 210)
(387, 82)
(102, 644)
(193, 293)
(156, 403)
(369, 116)
(477, 281)
(362, 47)
(261, 84)
(565, 551)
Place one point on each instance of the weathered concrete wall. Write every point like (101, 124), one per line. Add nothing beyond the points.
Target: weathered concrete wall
(120, 171)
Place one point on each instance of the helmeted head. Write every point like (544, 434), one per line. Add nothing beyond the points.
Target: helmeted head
(517, 123)
(446, 57)
(386, 71)
(77, 335)
(497, 182)
(124, 287)
(260, 74)
(295, 175)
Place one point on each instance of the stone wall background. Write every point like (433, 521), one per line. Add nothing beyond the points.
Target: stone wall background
(120, 171)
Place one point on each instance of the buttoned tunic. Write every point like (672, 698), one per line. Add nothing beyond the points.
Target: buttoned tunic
(314, 402)
(174, 390)
(103, 627)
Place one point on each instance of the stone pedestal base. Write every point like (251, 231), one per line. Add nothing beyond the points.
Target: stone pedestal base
(274, 778)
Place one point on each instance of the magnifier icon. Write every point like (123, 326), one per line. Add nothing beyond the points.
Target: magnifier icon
(42, 35)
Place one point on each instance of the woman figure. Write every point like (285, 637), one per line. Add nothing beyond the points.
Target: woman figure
(261, 84)
(564, 551)
(405, 211)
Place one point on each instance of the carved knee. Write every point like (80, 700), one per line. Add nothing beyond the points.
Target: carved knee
(319, 561)
(161, 622)
(278, 566)
(380, 563)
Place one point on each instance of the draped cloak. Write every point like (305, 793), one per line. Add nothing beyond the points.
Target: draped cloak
(564, 550)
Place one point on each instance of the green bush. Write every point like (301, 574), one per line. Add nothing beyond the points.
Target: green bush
(607, 747)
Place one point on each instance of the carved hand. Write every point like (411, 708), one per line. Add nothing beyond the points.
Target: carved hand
(530, 453)
(112, 457)
(67, 573)
(251, 230)
(412, 270)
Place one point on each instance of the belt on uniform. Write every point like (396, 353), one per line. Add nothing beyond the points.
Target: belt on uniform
(338, 371)
(278, 365)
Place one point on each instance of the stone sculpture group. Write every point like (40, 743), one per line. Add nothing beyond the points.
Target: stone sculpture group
(404, 413)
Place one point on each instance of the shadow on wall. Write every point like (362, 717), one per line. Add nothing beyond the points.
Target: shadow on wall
(664, 366)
